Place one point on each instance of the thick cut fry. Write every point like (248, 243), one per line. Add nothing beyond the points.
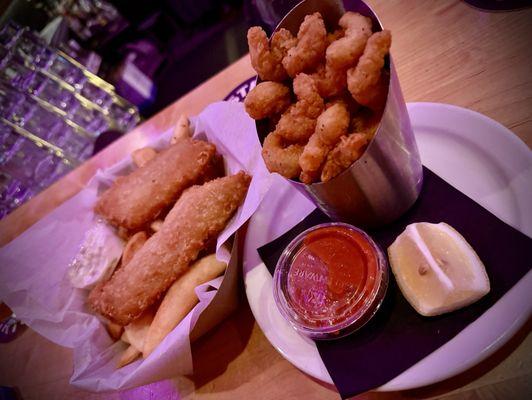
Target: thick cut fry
(128, 356)
(138, 198)
(200, 214)
(180, 299)
(182, 129)
(125, 338)
(142, 156)
(133, 245)
(137, 330)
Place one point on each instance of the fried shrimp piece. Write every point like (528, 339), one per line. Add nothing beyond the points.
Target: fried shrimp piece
(345, 52)
(200, 214)
(281, 158)
(375, 98)
(133, 201)
(332, 36)
(331, 125)
(267, 99)
(365, 121)
(299, 121)
(366, 82)
(329, 81)
(310, 47)
(283, 41)
(347, 151)
(267, 59)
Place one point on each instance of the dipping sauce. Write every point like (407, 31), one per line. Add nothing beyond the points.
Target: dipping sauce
(330, 280)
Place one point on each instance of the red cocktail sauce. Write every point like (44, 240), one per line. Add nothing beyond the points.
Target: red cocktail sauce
(333, 278)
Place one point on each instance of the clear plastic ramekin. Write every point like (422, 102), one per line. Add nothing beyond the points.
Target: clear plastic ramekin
(330, 280)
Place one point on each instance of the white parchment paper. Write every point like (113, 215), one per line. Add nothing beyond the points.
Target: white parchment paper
(33, 267)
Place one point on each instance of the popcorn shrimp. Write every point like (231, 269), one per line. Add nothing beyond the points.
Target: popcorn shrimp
(267, 59)
(366, 82)
(298, 123)
(345, 52)
(331, 125)
(267, 99)
(281, 158)
(310, 47)
(329, 81)
(348, 150)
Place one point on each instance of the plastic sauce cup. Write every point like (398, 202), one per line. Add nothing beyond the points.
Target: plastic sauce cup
(330, 280)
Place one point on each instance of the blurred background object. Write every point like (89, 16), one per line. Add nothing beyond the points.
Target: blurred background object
(499, 5)
(77, 74)
(52, 110)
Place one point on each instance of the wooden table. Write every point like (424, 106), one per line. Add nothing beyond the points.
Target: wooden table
(445, 51)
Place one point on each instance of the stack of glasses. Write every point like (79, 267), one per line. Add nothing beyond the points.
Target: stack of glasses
(51, 112)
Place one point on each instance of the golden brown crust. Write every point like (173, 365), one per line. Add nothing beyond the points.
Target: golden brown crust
(138, 198)
(267, 99)
(201, 213)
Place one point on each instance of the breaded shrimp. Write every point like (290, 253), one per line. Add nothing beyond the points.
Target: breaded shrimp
(267, 59)
(267, 99)
(345, 52)
(281, 158)
(329, 81)
(348, 150)
(299, 121)
(332, 36)
(366, 82)
(310, 47)
(200, 214)
(331, 125)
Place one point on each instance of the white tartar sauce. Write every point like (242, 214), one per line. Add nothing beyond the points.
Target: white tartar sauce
(97, 257)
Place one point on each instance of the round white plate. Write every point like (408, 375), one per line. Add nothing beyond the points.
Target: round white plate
(475, 154)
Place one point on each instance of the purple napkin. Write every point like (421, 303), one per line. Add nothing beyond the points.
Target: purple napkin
(398, 337)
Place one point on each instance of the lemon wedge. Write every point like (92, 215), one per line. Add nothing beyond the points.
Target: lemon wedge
(436, 269)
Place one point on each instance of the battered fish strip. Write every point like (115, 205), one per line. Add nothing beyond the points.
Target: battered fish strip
(366, 82)
(201, 213)
(135, 200)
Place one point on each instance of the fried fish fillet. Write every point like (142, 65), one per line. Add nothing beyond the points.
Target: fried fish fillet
(138, 198)
(201, 213)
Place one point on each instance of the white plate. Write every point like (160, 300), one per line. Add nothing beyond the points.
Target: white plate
(475, 154)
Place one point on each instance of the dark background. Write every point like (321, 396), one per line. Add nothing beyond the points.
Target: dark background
(177, 43)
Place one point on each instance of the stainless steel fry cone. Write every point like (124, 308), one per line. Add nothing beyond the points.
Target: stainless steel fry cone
(383, 183)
